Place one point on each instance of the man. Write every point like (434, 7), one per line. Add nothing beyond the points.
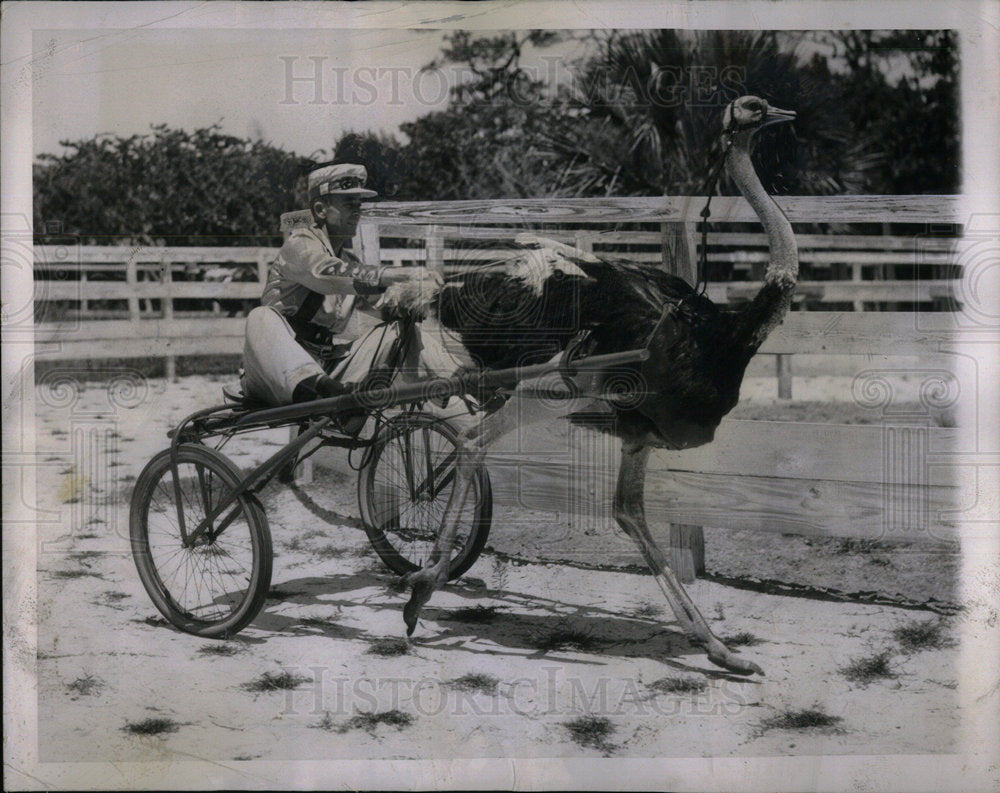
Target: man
(311, 292)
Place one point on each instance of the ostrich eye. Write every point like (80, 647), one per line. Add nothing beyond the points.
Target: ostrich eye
(754, 106)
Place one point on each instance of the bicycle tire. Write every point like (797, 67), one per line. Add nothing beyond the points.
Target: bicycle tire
(402, 527)
(184, 583)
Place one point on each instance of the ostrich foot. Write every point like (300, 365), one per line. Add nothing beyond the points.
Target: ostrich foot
(720, 655)
(422, 583)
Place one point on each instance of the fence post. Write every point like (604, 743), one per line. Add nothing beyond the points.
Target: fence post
(132, 279)
(435, 249)
(686, 541)
(263, 260)
(167, 277)
(783, 365)
(687, 551)
(859, 305)
(368, 238)
(84, 303)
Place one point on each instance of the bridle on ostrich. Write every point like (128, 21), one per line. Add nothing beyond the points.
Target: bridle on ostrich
(701, 282)
(708, 190)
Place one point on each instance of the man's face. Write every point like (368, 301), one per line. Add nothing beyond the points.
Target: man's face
(342, 214)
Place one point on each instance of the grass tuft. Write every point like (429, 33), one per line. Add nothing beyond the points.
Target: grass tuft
(922, 635)
(567, 639)
(70, 574)
(592, 731)
(84, 556)
(225, 650)
(476, 682)
(807, 719)
(271, 681)
(151, 726)
(367, 721)
(332, 551)
(870, 668)
(678, 685)
(646, 611)
(88, 685)
(742, 639)
(389, 647)
(852, 545)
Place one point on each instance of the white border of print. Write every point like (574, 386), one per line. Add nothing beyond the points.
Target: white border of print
(976, 767)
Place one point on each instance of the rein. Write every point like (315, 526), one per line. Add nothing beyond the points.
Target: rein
(709, 189)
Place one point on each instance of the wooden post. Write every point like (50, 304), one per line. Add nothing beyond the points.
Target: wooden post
(370, 247)
(783, 364)
(679, 256)
(859, 305)
(691, 237)
(84, 303)
(263, 260)
(435, 249)
(167, 276)
(132, 279)
(687, 551)
(303, 474)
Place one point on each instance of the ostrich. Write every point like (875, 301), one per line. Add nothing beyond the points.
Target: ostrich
(530, 304)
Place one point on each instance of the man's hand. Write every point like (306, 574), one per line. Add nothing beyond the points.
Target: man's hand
(412, 291)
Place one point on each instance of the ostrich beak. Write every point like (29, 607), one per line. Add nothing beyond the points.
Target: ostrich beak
(776, 115)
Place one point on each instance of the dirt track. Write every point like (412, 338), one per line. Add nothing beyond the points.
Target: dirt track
(501, 665)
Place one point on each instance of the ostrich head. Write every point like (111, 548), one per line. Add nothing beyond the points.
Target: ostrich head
(749, 114)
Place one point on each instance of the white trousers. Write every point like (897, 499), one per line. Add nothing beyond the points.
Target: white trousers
(274, 363)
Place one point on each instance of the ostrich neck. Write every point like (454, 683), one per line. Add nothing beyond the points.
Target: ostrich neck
(769, 306)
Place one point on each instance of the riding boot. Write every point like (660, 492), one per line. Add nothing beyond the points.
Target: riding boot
(320, 386)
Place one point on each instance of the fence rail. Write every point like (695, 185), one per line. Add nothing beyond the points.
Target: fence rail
(823, 480)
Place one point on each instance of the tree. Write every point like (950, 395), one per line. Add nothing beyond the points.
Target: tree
(650, 103)
(914, 116)
(491, 142)
(200, 188)
(383, 158)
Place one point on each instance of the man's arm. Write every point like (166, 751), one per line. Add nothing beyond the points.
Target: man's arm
(307, 262)
(396, 275)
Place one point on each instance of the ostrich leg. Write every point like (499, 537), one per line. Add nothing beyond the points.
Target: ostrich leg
(631, 516)
(426, 580)
(521, 410)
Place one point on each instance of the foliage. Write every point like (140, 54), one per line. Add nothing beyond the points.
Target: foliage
(915, 117)
(489, 142)
(650, 108)
(642, 116)
(199, 188)
(877, 113)
(381, 154)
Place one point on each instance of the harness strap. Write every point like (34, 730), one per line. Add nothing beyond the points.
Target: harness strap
(308, 309)
(706, 212)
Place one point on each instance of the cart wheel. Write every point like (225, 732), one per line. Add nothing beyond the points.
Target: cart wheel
(217, 586)
(403, 491)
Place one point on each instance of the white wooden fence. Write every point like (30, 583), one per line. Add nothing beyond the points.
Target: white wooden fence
(859, 481)
(139, 293)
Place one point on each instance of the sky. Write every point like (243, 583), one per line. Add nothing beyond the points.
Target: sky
(258, 84)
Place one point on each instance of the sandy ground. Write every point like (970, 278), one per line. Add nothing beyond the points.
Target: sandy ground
(501, 665)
